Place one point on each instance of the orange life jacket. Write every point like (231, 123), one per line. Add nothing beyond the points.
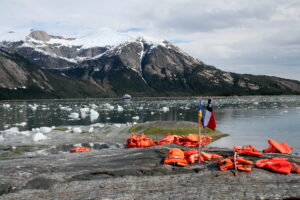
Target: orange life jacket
(241, 164)
(281, 165)
(192, 155)
(176, 156)
(262, 163)
(79, 149)
(193, 140)
(167, 139)
(248, 150)
(275, 147)
(284, 167)
(141, 141)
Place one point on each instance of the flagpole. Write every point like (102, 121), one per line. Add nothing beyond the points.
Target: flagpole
(199, 130)
(199, 133)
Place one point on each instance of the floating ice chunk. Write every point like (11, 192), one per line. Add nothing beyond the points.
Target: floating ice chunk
(38, 137)
(84, 112)
(136, 117)
(6, 105)
(35, 130)
(91, 129)
(134, 123)
(65, 108)
(45, 129)
(12, 130)
(165, 109)
(108, 106)
(98, 125)
(120, 108)
(33, 107)
(255, 103)
(118, 125)
(76, 130)
(152, 113)
(93, 115)
(21, 124)
(25, 133)
(74, 115)
(94, 106)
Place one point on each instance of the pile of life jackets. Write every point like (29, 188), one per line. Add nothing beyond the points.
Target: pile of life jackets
(79, 149)
(183, 158)
(247, 150)
(135, 141)
(240, 163)
(275, 147)
(193, 140)
(190, 140)
(281, 165)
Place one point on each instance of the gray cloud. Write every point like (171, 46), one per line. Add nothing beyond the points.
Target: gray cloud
(234, 35)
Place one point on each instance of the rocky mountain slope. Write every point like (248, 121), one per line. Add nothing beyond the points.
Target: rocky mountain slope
(19, 78)
(140, 67)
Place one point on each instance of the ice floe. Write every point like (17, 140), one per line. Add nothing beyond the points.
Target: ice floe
(120, 108)
(165, 109)
(46, 129)
(91, 129)
(21, 124)
(136, 117)
(76, 130)
(38, 137)
(93, 115)
(74, 115)
(84, 112)
(33, 107)
(6, 105)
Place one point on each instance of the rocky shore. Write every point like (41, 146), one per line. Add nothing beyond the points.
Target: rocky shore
(137, 174)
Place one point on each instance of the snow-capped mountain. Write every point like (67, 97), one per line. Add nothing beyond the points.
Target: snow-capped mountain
(20, 78)
(56, 52)
(115, 63)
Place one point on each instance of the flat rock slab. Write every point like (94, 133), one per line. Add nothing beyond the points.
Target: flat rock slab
(137, 174)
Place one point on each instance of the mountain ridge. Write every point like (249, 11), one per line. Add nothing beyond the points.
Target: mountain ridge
(140, 67)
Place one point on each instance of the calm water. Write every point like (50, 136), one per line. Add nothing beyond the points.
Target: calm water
(248, 120)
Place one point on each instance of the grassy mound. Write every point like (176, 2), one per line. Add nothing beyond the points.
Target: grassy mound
(157, 129)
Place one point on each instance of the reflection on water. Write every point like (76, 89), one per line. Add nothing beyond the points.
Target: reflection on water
(249, 120)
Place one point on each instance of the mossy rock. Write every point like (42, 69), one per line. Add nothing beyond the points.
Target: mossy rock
(19, 150)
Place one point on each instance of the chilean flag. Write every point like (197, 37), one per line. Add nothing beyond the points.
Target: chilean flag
(209, 120)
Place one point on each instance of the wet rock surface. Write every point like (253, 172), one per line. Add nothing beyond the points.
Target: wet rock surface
(137, 174)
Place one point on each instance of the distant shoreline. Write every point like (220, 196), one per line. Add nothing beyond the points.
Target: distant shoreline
(135, 98)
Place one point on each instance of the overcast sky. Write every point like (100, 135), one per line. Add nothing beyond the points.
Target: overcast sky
(244, 36)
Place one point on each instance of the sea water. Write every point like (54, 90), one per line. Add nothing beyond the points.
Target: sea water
(248, 120)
